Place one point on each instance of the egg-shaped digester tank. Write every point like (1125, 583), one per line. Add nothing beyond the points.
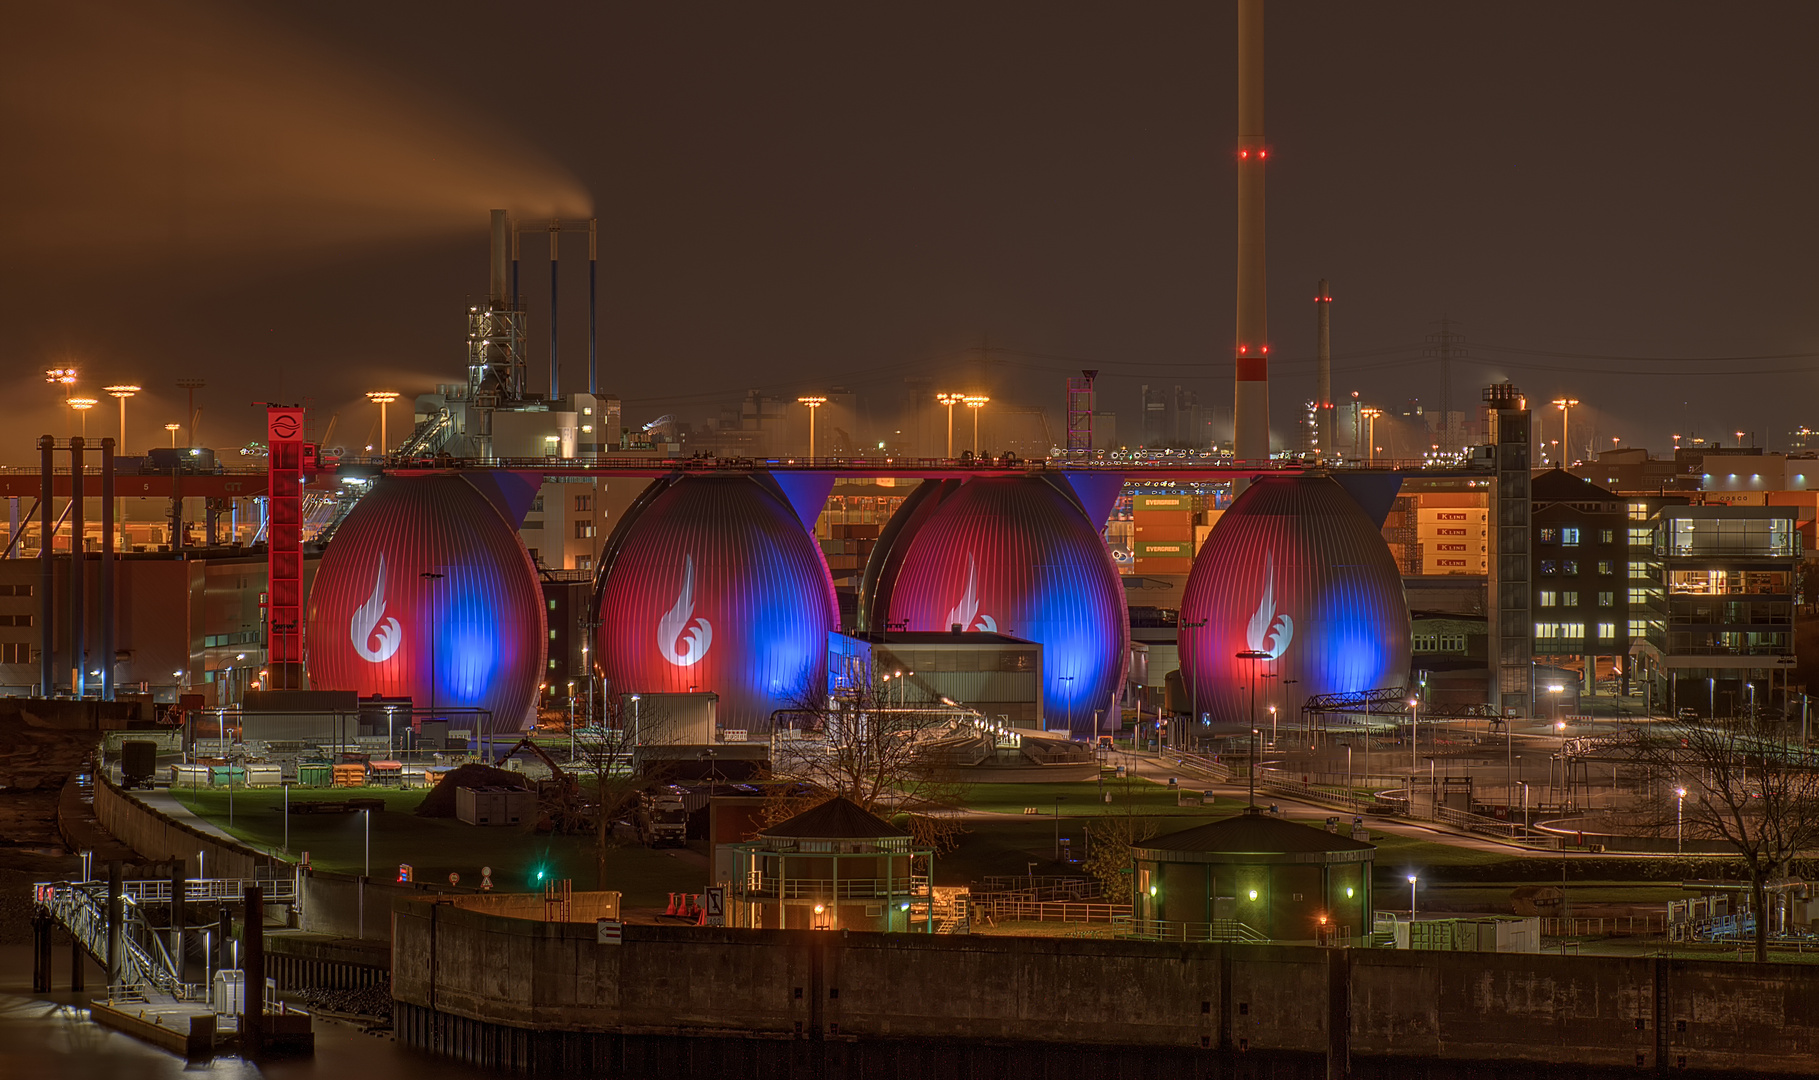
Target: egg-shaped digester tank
(378, 625)
(1018, 555)
(1297, 571)
(714, 584)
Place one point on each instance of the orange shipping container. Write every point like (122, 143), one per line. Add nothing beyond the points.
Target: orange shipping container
(1164, 566)
(1163, 532)
(1163, 517)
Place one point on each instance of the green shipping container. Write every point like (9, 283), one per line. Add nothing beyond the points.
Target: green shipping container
(1185, 501)
(1164, 549)
(314, 775)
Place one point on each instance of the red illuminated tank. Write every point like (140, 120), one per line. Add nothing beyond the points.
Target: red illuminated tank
(1294, 570)
(714, 584)
(377, 625)
(1015, 555)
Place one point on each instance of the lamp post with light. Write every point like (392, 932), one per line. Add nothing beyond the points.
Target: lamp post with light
(1370, 414)
(1412, 879)
(173, 429)
(382, 398)
(122, 392)
(813, 402)
(976, 402)
(82, 405)
(1253, 655)
(950, 400)
(62, 379)
(1565, 405)
(1679, 817)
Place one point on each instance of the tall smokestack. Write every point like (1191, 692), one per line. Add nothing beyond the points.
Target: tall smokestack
(555, 366)
(496, 284)
(1251, 401)
(1323, 371)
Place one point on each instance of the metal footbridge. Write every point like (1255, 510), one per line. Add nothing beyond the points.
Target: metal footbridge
(142, 958)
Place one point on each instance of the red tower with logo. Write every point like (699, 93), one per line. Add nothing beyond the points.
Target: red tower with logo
(284, 546)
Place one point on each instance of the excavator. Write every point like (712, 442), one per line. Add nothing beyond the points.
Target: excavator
(560, 807)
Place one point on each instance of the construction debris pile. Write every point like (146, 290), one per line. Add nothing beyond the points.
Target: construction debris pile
(440, 802)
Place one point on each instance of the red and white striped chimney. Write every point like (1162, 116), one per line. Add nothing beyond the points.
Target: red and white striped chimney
(1251, 400)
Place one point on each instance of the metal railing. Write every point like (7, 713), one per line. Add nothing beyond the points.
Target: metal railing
(1219, 930)
(1072, 911)
(1605, 926)
(794, 888)
(82, 909)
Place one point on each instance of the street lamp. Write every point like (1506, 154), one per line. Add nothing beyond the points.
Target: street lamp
(1412, 879)
(1679, 817)
(122, 392)
(976, 402)
(431, 577)
(1253, 655)
(1414, 737)
(1272, 727)
(82, 405)
(1565, 405)
(63, 378)
(382, 398)
(1370, 414)
(813, 403)
(173, 429)
(950, 400)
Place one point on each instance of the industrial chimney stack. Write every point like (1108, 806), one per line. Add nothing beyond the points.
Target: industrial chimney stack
(1323, 372)
(1251, 400)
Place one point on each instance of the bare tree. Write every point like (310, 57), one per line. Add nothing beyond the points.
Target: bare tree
(606, 756)
(882, 745)
(1745, 785)
(1112, 836)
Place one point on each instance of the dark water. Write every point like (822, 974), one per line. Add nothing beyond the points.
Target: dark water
(51, 1038)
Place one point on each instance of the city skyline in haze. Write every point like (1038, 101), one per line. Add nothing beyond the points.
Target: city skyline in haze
(1609, 202)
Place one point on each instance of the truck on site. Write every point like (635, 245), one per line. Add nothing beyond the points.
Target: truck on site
(665, 818)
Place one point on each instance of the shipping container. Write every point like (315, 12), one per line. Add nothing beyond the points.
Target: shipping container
(1163, 566)
(1186, 500)
(1152, 533)
(1178, 518)
(1164, 549)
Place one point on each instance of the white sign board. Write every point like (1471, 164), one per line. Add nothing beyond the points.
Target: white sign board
(609, 932)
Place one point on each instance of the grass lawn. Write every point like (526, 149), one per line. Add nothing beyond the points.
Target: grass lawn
(437, 846)
(1086, 799)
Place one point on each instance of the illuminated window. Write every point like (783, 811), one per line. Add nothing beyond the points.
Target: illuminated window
(1550, 567)
(1607, 536)
(1607, 599)
(1569, 537)
(1569, 598)
(1569, 566)
(1550, 598)
(1550, 536)
(1606, 567)
(1638, 596)
(1607, 631)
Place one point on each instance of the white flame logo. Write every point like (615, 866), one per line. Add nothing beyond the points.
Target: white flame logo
(680, 627)
(966, 611)
(366, 625)
(1269, 632)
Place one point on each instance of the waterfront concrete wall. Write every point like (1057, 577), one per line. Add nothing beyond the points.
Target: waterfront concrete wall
(157, 837)
(547, 989)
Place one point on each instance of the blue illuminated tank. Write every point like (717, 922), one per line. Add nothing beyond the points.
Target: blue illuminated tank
(714, 583)
(1297, 571)
(373, 619)
(1015, 555)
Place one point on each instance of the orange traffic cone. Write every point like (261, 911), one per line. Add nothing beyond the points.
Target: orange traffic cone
(672, 909)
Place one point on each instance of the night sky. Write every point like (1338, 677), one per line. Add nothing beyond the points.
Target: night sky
(1614, 200)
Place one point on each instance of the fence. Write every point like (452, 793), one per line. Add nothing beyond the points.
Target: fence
(998, 907)
(1611, 926)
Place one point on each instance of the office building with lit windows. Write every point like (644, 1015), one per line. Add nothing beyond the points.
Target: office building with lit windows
(1719, 588)
(1580, 574)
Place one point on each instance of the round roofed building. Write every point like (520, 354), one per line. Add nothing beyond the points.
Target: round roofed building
(1252, 876)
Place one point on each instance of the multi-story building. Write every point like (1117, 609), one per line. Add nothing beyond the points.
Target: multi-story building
(1580, 573)
(1720, 588)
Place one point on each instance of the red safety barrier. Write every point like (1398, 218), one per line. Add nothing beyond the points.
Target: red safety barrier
(672, 909)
